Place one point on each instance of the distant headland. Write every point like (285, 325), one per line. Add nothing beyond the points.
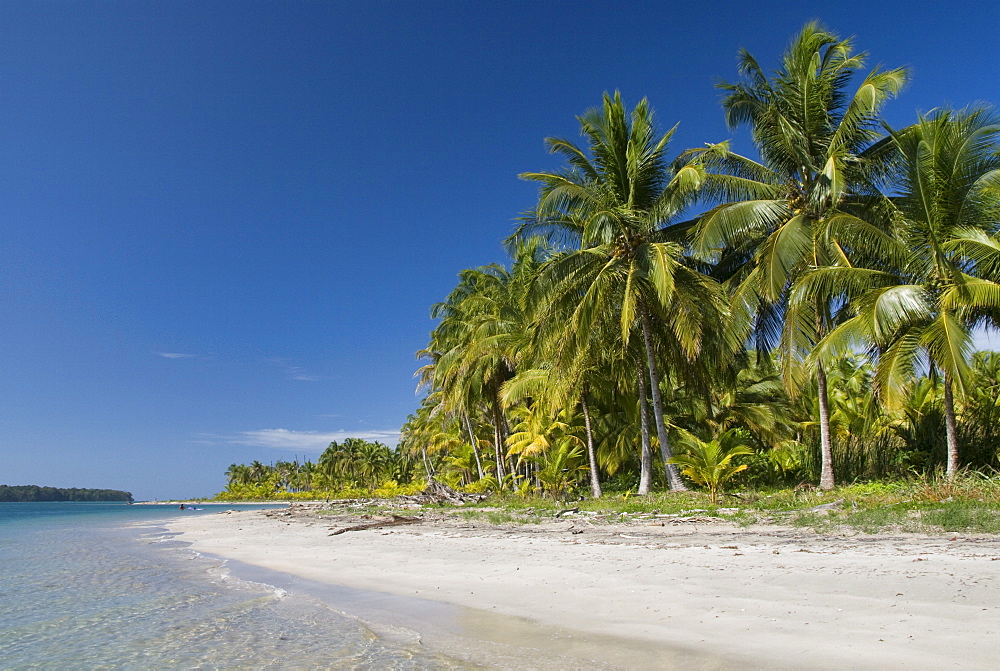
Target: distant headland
(35, 493)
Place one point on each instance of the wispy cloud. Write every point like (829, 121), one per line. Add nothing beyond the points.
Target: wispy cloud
(306, 441)
(175, 355)
(293, 372)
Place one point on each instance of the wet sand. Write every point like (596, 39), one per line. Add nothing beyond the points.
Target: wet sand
(646, 592)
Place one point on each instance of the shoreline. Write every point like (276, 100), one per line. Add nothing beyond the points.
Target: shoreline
(188, 502)
(723, 595)
(477, 638)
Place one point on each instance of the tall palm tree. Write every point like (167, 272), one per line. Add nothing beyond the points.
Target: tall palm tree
(798, 207)
(418, 434)
(943, 278)
(477, 346)
(372, 460)
(608, 209)
(238, 474)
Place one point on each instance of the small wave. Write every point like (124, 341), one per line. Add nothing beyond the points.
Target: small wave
(222, 574)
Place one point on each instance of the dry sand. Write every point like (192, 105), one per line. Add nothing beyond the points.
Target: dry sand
(682, 592)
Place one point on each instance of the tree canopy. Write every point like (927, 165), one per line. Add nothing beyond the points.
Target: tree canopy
(802, 315)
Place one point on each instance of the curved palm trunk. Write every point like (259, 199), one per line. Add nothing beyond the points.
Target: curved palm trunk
(826, 479)
(673, 475)
(499, 441)
(951, 430)
(427, 464)
(595, 480)
(646, 455)
(504, 435)
(475, 444)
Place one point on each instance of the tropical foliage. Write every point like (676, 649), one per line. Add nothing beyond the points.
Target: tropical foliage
(804, 315)
(712, 463)
(353, 467)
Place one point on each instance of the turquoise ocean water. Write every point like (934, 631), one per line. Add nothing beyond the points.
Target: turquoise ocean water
(104, 585)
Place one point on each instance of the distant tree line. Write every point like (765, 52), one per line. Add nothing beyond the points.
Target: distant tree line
(10, 493)
(353, 466)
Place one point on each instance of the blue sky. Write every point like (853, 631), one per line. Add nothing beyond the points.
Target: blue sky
(225, 222)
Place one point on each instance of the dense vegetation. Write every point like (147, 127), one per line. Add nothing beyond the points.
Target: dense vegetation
(805, 315)
(353, 468)
(35, 493)
(811, 307)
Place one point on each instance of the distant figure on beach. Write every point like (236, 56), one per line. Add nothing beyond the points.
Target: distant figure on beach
(182, 506)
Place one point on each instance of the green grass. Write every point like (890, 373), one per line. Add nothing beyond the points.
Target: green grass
(970, 504)
(504, 515)
(953, 516)
(963, 517)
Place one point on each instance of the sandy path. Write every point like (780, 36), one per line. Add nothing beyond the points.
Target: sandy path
(774, 596)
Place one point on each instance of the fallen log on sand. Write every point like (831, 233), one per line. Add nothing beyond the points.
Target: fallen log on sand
(396, 521)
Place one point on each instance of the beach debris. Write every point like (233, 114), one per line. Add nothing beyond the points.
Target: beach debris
(823, 507)
(438, 492)
(566, 511)
(828, 506)
(394, 521)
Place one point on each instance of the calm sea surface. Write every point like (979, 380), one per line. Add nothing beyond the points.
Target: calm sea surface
(103, 585)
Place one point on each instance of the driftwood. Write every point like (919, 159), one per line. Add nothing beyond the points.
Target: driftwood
(567, 510)
(396, 521)
(826, 506)
(438, 492)
(823, 507)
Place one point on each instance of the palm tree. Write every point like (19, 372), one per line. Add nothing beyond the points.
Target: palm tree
(746, 393)
(798, 207)
(539, 399)
(943, 278)
(238, 474)
(608, 209)
(591, 376)
(259, 472)
(462, 462)
(400, 467)
(710, 463)
(477, 346)
(372, 461)
(562, 469)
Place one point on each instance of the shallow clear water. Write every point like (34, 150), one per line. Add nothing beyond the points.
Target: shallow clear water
(103, 585)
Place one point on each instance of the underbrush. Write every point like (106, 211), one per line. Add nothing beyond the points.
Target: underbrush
(386, 490)
(968, 503)
(950, 517)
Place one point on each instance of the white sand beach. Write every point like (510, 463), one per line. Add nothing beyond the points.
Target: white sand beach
(648, 592)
